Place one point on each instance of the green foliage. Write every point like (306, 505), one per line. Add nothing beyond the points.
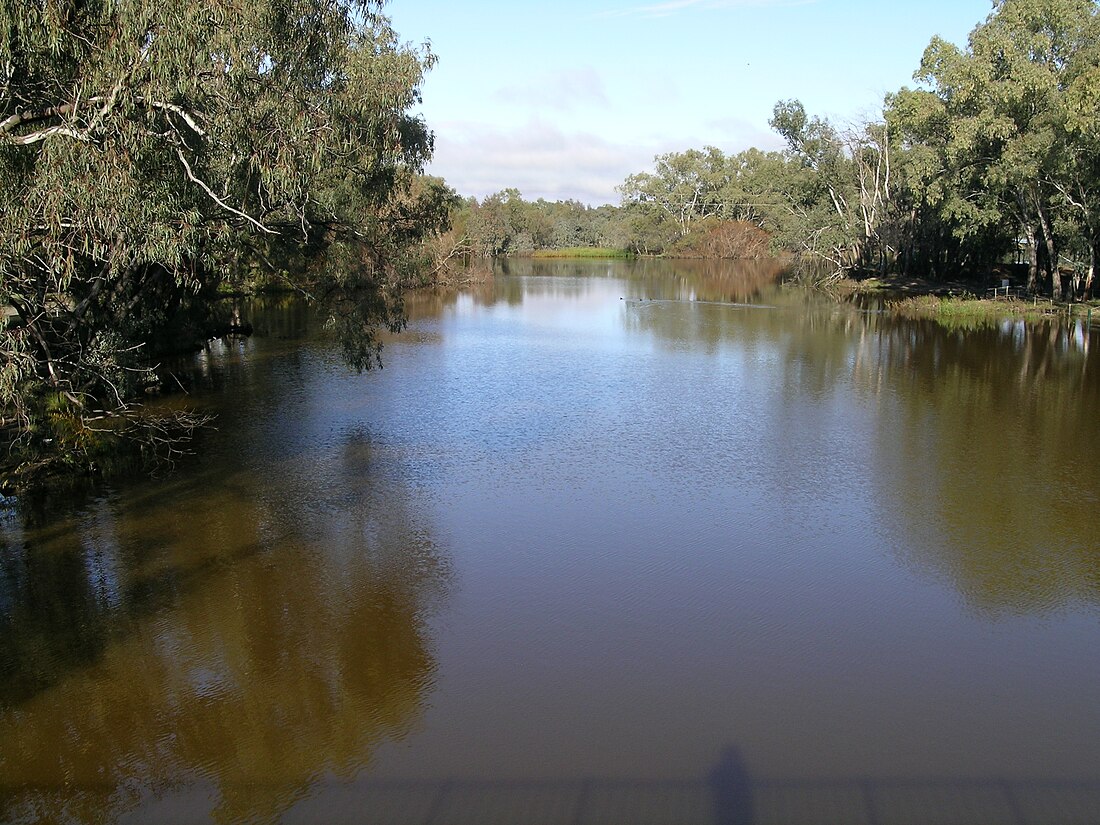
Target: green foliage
(151, 153)
(685, 186)
(997, 137)
(581, 252)
(967, 312)
(997, 152)
(505, 224)
(688, 192)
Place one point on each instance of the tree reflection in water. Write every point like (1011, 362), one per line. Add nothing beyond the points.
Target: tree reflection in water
(965, 423)
(251, 645)
(983, 416)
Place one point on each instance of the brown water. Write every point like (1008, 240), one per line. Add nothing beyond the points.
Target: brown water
(603, 543)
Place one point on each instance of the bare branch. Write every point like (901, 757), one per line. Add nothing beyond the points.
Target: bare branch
(37, 137)
(19, 118)
(178, 110)
(217, 200)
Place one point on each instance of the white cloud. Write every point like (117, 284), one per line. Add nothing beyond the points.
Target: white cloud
(542, 160)
(539, 159)
(562, 91)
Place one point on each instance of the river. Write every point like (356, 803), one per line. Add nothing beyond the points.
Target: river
(604, 542)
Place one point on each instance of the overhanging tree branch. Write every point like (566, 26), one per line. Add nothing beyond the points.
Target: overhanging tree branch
(194, 179)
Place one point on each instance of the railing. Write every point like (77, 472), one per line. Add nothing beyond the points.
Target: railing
(728, 797)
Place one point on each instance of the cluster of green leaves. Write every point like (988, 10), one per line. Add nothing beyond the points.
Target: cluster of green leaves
(997, 150)
(691, 192)
(1004, 137)
(151, 152)
(505, 224)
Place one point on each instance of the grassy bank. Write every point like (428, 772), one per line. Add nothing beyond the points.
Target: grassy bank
(582, 252)
(967, 311)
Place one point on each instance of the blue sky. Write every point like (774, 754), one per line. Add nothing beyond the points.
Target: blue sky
(565, 99)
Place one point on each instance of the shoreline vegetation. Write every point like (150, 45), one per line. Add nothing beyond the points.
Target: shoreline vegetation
(582, 252)
(960, 304)
(130, 216)
(991, 159)
(970, 310)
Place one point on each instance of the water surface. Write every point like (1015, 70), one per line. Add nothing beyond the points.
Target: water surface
(603, 542)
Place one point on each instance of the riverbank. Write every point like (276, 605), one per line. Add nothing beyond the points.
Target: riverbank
(581, 252)
(965, 303)
(904, 285)
(972, 311)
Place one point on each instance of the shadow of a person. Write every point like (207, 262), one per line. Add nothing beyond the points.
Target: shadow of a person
(731, 787)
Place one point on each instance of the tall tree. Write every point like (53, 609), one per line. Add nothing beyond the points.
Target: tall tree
(149, 150)
(1078, 180)
(999, 104)
(820, 200)
(685, 186)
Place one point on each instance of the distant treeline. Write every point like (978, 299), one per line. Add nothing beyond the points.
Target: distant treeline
(993, 159)
(506, 224)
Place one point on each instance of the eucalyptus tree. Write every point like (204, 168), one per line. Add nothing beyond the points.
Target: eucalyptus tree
(947, 222)
(490, 230)
(1078, 164)
(690, 192)
(820, 199)
(649, 230)
(150, 151)
(754, 191)
(684, 186)
(996, 115)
